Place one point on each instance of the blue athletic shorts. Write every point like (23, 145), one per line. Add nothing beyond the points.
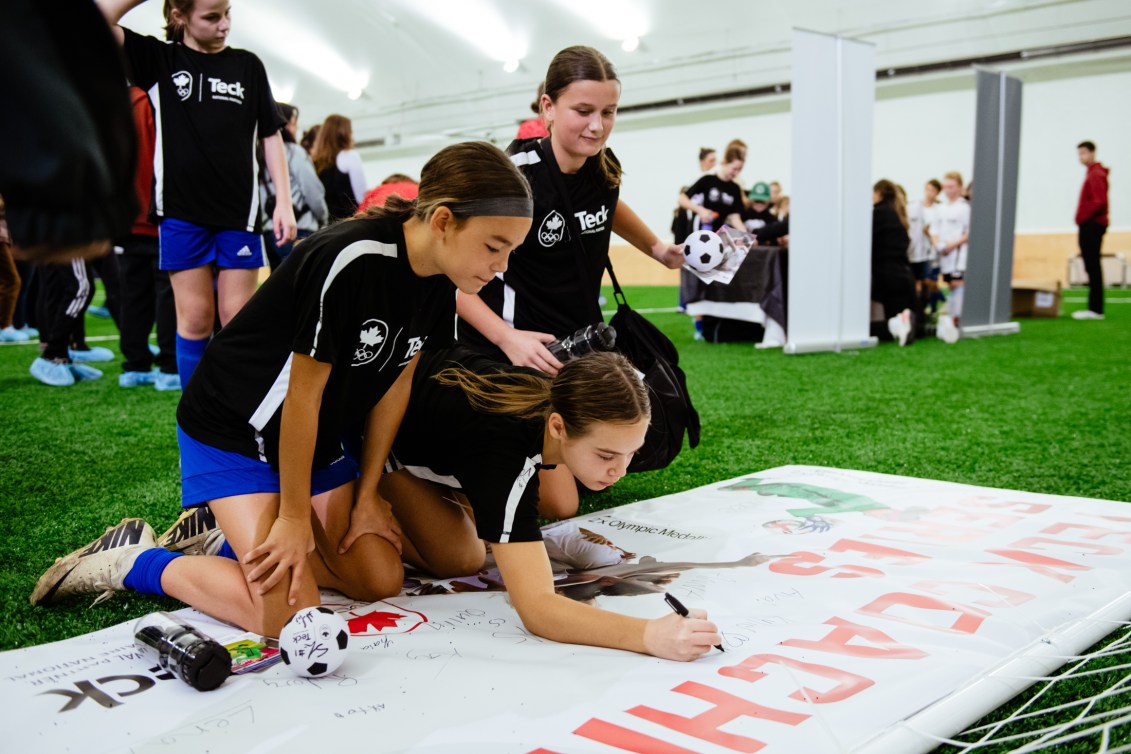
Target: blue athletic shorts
(208, 473)
(185, 246)
(920, 270)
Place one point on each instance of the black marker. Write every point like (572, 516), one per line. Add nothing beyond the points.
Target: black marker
(682, 612)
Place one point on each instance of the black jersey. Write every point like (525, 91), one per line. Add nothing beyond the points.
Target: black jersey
(717, 195)
(541, 289)
(210, 110)
(345, 296)
(754, 219)
(493, 459)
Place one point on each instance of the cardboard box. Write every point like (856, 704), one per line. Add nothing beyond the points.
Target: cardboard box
(1035, 299)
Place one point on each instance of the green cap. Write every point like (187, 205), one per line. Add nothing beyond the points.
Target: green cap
(759, 192)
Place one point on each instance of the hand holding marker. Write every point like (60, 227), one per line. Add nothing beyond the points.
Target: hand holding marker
(683, 612)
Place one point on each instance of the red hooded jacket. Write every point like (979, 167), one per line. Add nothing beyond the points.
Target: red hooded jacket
(1093, 196)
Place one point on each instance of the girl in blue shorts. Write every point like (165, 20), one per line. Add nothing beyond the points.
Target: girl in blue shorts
(325, 348)
(211, 103)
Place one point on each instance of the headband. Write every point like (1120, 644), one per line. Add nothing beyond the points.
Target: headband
(501, 206)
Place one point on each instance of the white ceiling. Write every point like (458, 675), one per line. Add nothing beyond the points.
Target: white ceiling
(433, 69)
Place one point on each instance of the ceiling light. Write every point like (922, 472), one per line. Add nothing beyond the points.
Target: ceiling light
(354, 93)
(630, 44)
(480, 23)
(510, 66)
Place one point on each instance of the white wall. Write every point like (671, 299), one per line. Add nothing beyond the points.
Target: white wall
(923, 128)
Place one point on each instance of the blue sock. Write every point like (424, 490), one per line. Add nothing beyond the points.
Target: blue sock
(145, 575)
(188, 355)
(226, 551)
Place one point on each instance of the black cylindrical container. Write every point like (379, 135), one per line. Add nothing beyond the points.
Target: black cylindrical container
(598, 337)
(178, 647)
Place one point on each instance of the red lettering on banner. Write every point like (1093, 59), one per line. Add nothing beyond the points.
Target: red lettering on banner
(627, 740)
(1039, 564)
(847, 684)
(1030, 543)
(542, 751)
(1010, 597)
(727, 707)
(876, 552)
(1090, 532)
(1120, 519)
(967, 623)
(1025, 509)
(795, 564)
(836, 642)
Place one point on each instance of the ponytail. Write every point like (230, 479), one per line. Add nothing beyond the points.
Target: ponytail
(598, 387)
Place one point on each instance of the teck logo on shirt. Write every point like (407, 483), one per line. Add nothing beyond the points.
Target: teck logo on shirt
(552, 229)
(183, 81)
(373, 335)
(593, 222)
(229, 91)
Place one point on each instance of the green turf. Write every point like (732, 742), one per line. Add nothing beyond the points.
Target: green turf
(1045, 411)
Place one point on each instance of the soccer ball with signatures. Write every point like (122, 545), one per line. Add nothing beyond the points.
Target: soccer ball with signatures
(314, 641)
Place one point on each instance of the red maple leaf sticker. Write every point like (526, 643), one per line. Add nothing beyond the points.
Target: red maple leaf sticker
(373, 621)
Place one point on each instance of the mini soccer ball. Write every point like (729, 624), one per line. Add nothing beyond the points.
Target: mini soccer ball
(703, 251)
(314, 641)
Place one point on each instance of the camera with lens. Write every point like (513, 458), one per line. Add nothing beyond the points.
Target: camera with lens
(598, 337)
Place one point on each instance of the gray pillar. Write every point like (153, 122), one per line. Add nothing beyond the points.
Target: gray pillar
(989, 264)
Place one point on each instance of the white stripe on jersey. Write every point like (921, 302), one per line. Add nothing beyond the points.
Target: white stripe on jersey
(529, 469)
(529, 157)
(158, 153)
(274, 398)
(423, 472)
(508, 304)
(253, 207)
(355, 250)
(75, 308)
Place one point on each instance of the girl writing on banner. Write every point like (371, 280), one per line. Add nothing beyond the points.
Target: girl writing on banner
(475, 432)
(211, 103)
(326, 346)
(552, 286)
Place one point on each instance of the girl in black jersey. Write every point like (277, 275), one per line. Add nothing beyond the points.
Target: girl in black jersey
(552, 286)
(211, 103)
(324, 349)
(475, 432)
(716, 198)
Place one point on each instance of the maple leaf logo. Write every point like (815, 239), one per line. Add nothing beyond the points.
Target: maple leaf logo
(375, 621)
(181, 80)
(554, 222)
(372, 336)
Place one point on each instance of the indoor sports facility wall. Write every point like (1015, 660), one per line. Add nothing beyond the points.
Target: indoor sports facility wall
(924, 126)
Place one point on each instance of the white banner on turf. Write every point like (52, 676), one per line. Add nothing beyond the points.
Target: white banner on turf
(856, 609)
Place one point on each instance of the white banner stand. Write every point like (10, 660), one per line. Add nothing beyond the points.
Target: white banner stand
(830, 240)
(989, 267)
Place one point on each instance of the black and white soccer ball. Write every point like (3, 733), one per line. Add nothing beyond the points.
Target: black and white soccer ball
(703, 250)
(314, 641)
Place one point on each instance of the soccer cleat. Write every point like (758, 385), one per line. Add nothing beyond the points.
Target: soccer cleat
(133, 379)
(194, 533)
(167, 381)
(84, 372)
(899, 328)
(1087, 314)
(52, 373)
(98, 311)
(97, 568)
(95, 353)
(30, 332)
(11, 335)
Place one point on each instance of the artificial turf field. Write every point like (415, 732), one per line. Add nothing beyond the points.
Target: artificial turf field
(1046, 410)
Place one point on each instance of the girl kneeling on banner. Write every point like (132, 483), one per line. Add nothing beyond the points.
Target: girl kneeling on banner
(328, 342)
(475, 435)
